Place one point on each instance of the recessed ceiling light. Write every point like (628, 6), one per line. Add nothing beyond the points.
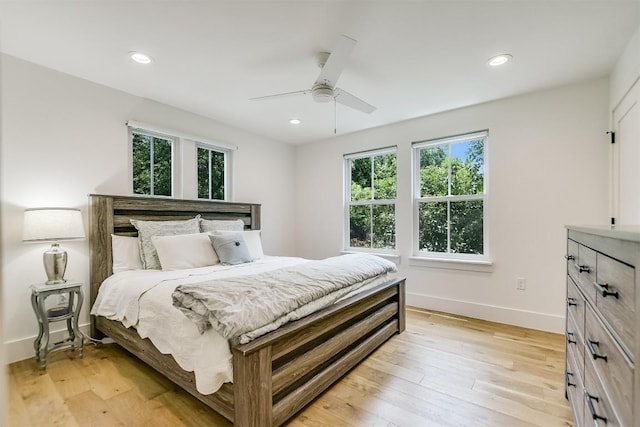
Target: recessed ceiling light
(140, 57)
(295, 121)
(500, 59)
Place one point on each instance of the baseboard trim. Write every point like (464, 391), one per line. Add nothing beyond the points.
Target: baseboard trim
(528, 319)
(22, 349)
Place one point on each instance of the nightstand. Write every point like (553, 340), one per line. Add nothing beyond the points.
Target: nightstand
(70, 312)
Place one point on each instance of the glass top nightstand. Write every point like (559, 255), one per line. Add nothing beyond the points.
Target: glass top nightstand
(69, 312)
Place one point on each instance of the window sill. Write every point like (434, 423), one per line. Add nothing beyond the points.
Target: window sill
(391, 257)
(452, 264)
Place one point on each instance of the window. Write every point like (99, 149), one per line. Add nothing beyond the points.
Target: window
(450, 197)
(169, 163)
(152, 163)
(211, 173)
(370, 200)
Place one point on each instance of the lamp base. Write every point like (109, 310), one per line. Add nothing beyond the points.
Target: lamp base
(55, 263)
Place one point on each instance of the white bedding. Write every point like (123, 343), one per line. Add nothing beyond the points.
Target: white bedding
(142, 299)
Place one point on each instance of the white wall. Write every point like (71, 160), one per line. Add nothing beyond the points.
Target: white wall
(627, 70)
(547, 166)
(64, 138)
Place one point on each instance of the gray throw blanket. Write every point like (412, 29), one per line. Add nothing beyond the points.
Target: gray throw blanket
(245, 307)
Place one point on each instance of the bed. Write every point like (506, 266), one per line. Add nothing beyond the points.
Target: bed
(277, 374)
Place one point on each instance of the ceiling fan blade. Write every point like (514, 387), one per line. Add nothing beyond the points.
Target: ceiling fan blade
(345, 98)
(282, 95)
(336, 62)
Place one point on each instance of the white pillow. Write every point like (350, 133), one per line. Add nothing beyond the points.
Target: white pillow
(252, 239)
(185, 251)
(148, 229)
(125, 251)
(213, 225)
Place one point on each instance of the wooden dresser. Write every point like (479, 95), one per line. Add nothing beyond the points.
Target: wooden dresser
(603, 297)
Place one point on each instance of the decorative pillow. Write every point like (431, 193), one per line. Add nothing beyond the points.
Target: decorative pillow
(251, 238)
(211, 225)
(148, 229)
(125, 251)
(185, 251)
(231, 248)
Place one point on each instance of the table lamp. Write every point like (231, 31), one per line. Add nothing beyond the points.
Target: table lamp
(53, 225)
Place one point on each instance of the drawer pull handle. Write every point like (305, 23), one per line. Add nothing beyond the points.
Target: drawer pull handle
(569, 257)
(569, 383)
(583, 268)
(592, 409)
(569, 336)
(605, 290)
(591, 344)
(572, 301)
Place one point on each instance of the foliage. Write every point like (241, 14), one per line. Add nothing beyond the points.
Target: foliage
(210, 174)
(144, 147)
(447, 225)
(373, 225)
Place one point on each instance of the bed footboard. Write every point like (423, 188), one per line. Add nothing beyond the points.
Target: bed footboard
(275, 376)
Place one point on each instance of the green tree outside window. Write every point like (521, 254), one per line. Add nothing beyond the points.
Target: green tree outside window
(152, 165)
(371, 202)
(450, 203)
(211, 174)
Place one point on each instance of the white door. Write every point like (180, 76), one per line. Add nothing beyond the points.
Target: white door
(626, 159)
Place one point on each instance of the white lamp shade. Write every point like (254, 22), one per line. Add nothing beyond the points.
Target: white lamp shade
(52, 224)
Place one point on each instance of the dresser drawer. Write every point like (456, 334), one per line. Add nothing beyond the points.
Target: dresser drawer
(598, 410)
(572, 259)
(575, 389)
(575, 305)
(575, 343)
(606, 358)
(615, 297)
(586, 266)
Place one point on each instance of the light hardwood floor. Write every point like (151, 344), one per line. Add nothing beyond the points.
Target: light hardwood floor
(444, 370)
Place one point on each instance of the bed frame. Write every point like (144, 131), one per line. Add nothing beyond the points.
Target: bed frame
(277, 374)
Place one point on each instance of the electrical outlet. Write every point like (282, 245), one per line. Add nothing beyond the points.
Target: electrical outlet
(521, 283)
(63, 299)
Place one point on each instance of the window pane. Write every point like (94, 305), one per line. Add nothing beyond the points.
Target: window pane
(434, 172)
(432, 224)
(360, 226)
(466, 227)
(467, 168)
(361, 179)
(141, 164)
(217, 175)
(161, 167)
(384, 175)
(384, 226)
(203, 173)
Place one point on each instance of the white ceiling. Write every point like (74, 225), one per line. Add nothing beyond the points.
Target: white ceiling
(413, 58)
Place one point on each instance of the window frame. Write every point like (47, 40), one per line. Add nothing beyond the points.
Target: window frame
(417, 199)
(347, 202)
(226, 174)
(174, 160)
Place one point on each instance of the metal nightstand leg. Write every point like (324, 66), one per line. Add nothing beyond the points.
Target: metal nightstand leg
(38, 340)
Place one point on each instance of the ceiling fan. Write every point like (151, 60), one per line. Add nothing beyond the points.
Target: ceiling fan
(324, 88)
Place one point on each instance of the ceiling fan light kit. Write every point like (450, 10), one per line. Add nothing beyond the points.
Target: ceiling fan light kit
(322, 93)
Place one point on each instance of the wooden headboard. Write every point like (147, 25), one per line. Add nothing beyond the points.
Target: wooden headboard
(111, 214)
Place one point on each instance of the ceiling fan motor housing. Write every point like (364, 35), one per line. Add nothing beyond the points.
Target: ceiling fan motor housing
(322, 93)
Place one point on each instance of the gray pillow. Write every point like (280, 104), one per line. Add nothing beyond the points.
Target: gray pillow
(148, 229)
(231, 248)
